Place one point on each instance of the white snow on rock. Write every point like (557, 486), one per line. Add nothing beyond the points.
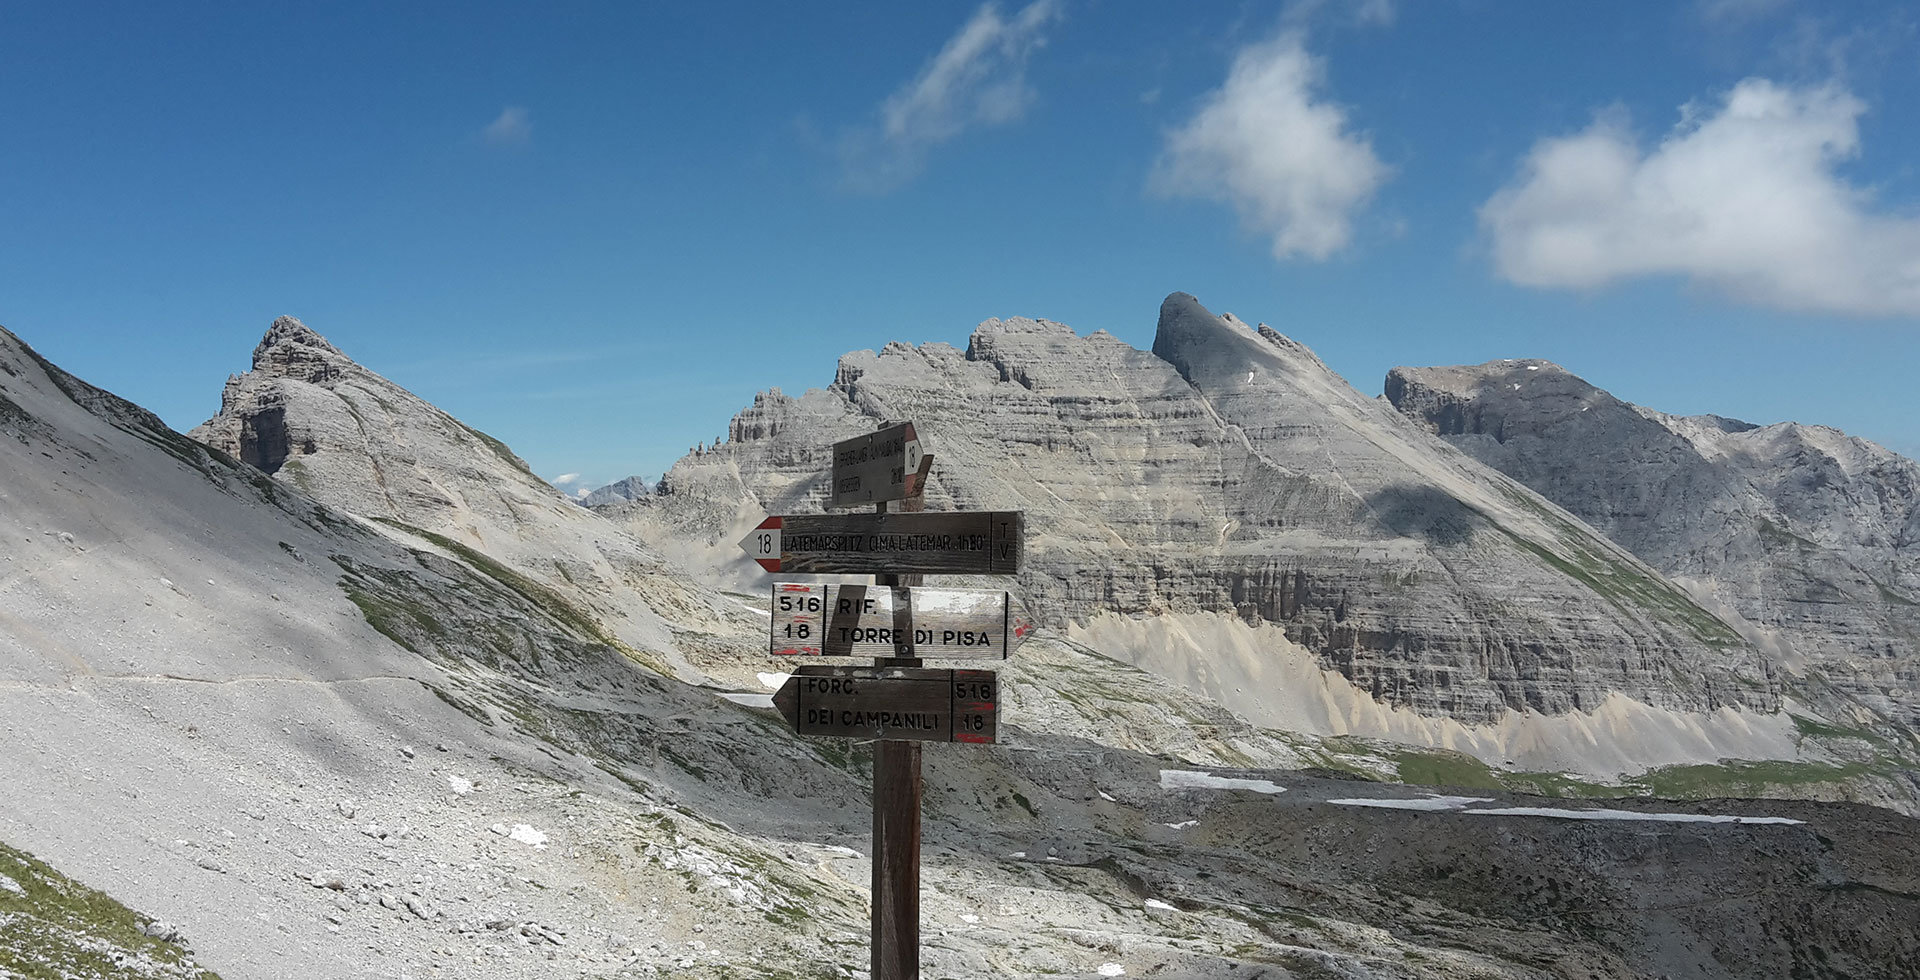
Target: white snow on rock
(1187, 779)
(1544, 811)
(1461, 804)
(1431, 802)
(460, 785)
(1182, 825)
(1154, 903)
(527, 835)
(750, 700)
(1104, 796)
(771, 680)
(1112, 970)
(9, 885)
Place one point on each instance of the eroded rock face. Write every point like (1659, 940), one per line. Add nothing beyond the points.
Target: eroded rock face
(318, 420)
(1811, 536)
(1229, 470)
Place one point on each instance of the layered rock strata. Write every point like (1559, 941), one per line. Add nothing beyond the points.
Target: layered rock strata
(1808, 538)
(314, 418)
(1229, 470)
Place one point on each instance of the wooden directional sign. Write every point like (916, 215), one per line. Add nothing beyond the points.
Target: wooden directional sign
(897, 703)
(876, 621)
(963, 542)
(876, 467)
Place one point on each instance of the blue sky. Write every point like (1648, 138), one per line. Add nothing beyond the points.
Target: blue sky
(595, 230)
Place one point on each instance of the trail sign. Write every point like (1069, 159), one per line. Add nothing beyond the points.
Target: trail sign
(868, 621)
(875, 467)
(964, 542)
(892, 703)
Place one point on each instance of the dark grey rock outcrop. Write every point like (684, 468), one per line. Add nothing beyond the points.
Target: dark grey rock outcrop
(1808, 535)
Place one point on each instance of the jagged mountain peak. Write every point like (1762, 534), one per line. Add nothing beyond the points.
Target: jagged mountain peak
(291, 349)
(1207, 348)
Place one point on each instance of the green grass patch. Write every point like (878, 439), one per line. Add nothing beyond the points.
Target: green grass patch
(60, 928)
(1561, 785)
(390, 617)
(1625, 587)
(1444, 769)
(1748, 779)
(499, 449)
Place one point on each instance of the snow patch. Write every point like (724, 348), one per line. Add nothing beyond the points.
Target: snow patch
(529, 836)
(750, 700)
(1460, 804)
(1545, 811)
(1154, 903)
(772, 682)
(1188, 779)
(1432, 802)
(1182, 825)
(1112, 970)
(460, 785)
(1104, 796)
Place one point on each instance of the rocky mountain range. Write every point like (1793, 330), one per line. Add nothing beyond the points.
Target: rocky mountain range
(397, 707)
(1226, 511)
(1805, 538)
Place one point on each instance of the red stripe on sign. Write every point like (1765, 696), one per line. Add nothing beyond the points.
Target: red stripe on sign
(790, 586)
(770, 564)
(978, 707)
(1022, 629)
(770, 523)
(975, 739)
(798, 652)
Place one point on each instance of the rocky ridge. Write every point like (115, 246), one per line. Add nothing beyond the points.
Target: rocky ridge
(319, 421)
(1807, 539)
(1229, 471)
(618, 492)
(321, 750)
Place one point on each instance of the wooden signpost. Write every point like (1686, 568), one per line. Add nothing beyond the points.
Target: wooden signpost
(917, 703)
(862, 621)
(876, 467)
(960, 542)
(897, 702)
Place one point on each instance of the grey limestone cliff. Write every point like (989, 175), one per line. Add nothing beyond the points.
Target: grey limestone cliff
(314, 418)
(1808, 538)
(1228, 470)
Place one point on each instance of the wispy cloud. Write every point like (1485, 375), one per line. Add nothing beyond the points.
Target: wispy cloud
(572, 484)
(1269, 144)
(513, 127)
(1379, 13)
(979, 78)
(1741, 196)
(1731, 12)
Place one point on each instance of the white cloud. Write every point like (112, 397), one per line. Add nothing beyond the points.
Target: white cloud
(1737, 11)
(513, 127)
(1741, 196)
(1270, 145)
(1379, 13)
(978, 79)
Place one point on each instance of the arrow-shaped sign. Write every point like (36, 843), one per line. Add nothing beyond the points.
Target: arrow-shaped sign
(875, 467)
(862, 621)
(900, 703)
(964, 542)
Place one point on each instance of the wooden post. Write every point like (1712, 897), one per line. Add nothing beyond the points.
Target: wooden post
(896, 811)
